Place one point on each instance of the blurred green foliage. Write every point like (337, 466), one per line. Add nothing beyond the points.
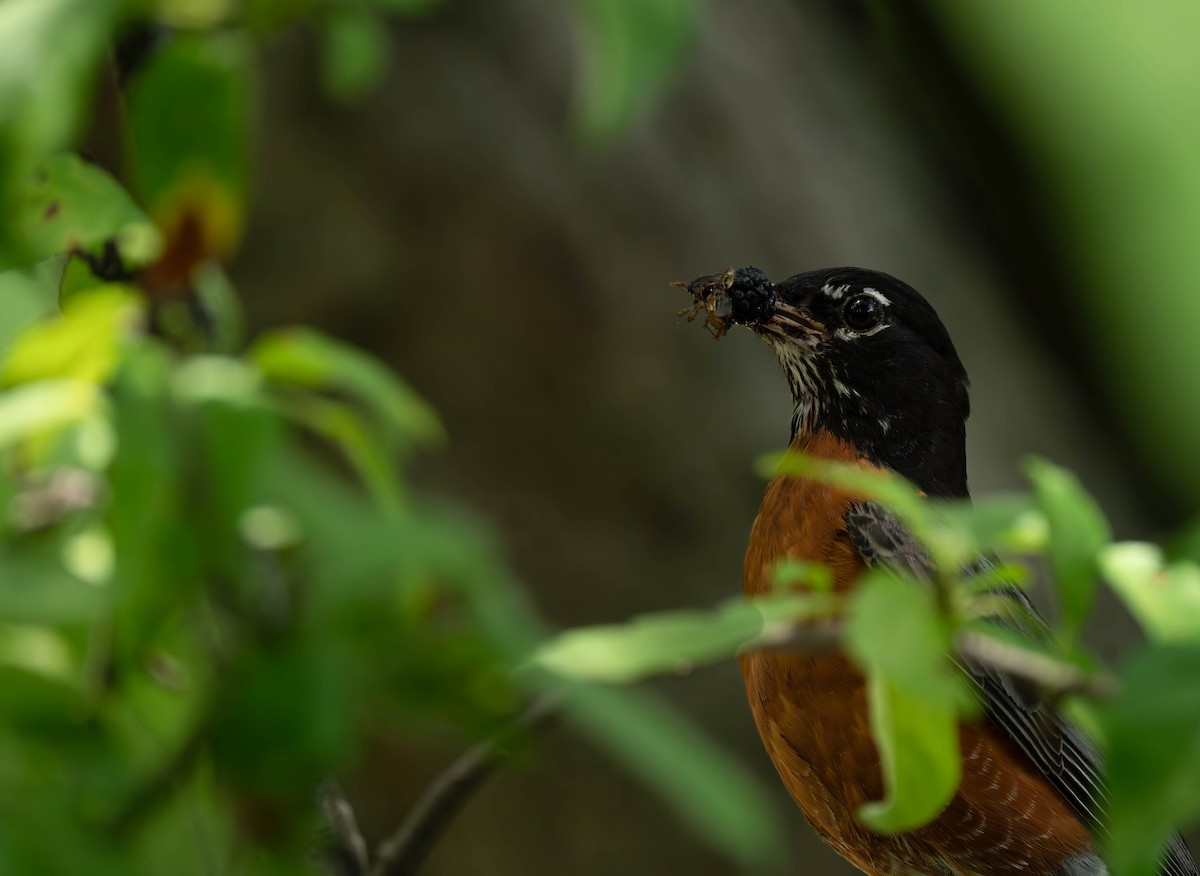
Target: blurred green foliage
(1102, 97)
(215, 583)
(213, 580)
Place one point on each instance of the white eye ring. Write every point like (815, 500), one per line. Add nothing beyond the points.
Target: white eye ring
(863, 315)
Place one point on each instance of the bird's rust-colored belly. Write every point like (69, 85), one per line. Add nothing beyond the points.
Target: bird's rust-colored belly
(811, 712)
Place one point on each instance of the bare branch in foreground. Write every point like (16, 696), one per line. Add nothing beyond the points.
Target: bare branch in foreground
(350, 848)
(1056, 678)
(403, 852)
(406, 849)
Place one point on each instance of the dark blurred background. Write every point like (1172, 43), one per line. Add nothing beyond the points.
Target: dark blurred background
(456, 223)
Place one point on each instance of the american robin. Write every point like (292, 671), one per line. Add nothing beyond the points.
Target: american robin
(876, 381)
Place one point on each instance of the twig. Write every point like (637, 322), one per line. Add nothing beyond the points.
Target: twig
(1057, 678)
(814, 637)
(350, 849)
(405, 850)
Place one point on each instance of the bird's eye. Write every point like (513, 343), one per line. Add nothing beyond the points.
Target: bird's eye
(862, 312)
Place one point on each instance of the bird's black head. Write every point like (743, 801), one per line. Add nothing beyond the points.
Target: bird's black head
(867, 359)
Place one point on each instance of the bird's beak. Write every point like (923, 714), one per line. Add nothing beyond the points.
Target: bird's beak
(790, 323)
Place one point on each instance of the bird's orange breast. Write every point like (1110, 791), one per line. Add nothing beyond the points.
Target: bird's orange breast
(812, 715)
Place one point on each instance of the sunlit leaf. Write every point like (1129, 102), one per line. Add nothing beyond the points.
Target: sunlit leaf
(714, 794)
(44, 407)
(1153, 733)
(1165, 599)
(83, 343)
(896, 635)
(671, 641)
(1077, 532)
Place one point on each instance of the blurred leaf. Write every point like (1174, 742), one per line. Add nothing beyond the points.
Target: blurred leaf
(71, 205)
(188, 129)
(150, 542)
(195, 14)
(1078, 531)
(896, 635)
(355, 50)
(288, 720)
(23, 299)
(947, 548)
(83, 343)
(45, 407)
(670, 641)
(997, 522)
(714, 794)
(792, 574)
(343, 427)
(232, 435)
(36, 588)
(52, 51)
(1164, 599)
(1153, 732)
(266, 14)
(307, 359)
(226, 332)
(632, 47)
(406, 7)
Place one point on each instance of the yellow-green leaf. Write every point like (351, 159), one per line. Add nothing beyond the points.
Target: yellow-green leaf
(83, 343)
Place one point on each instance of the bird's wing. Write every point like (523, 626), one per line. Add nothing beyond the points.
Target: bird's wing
(1061, 753)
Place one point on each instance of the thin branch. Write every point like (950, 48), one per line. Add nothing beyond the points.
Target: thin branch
(1055, 677)
(405, 850)
(812, 637)
(350, 848)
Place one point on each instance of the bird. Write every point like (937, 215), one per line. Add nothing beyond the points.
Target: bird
(876, 381)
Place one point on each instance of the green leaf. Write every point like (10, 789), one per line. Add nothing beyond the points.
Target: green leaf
(306, 359)
(52, 52)
(355, 50)
(343, 427)
(406, 7)
(714, 794)
(188, 129)
(947, 548)
(195, 14)
(1078, 531)
(997, 523)
(23, 299)
(1164, 599)
(72, 205)
(1153, 759)
(792, 574)
(288, 720)
(84, 343)
(45, 407)
(632, 47)
(232, 433)
(672, 641)
(896, 636)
